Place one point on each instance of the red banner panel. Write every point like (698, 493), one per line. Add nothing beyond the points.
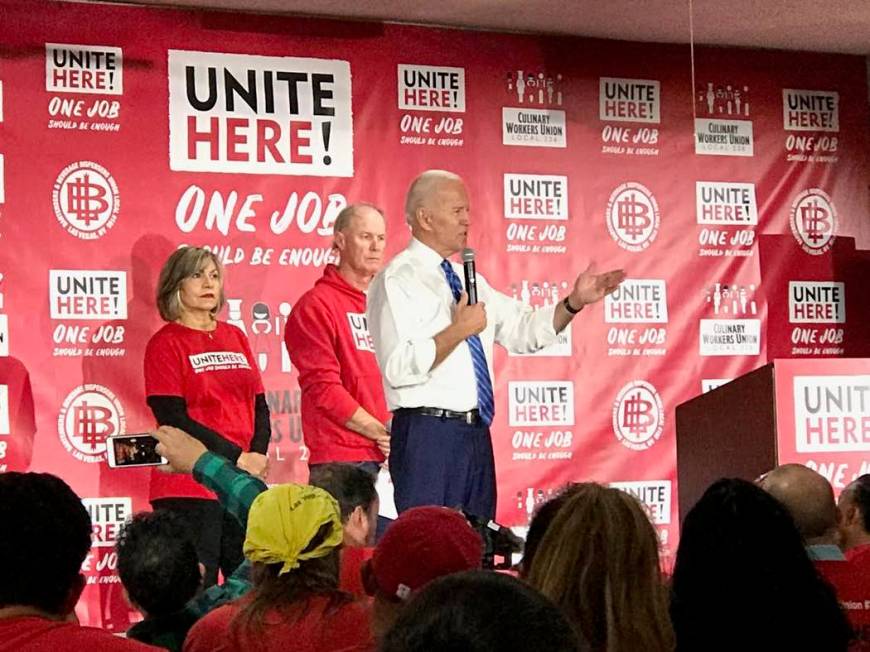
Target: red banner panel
(126, 132)
(823, 416)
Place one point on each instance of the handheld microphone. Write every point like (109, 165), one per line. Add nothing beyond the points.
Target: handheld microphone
(470, 275)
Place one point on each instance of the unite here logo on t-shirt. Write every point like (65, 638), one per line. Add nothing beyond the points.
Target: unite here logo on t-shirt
(218, 361)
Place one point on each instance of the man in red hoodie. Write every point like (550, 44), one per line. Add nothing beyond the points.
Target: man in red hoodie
(343, 408)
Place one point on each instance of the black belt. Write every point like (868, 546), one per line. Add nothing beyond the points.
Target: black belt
(472, 417)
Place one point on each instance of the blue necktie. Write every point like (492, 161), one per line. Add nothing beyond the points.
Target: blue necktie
(485, 403)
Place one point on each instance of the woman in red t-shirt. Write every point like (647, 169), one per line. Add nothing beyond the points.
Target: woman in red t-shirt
(201, 377)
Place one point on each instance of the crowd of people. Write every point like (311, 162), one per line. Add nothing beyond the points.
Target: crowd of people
(774, 564)
(395, 371)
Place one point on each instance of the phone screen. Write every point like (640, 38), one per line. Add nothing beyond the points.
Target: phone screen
(134, 450)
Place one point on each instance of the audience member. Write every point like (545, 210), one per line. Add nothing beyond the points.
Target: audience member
(742, 579)
(161, 573)
(598, 560)
(854, 508)
(293, 539)
(45, 537)
(424, 543)
(351, 486)
(809, 498)
(541, 520)
(855, 527)
(154, 541)
(354, 489)
(480, 611)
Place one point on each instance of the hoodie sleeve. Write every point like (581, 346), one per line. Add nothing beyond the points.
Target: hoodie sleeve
(311, 339)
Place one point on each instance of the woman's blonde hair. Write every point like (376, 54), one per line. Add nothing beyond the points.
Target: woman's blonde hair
(599, 561)
(184, 263)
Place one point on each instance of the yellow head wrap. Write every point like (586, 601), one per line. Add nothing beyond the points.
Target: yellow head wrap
(284, 519)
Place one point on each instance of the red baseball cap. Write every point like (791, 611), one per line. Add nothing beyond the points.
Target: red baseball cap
(423, 544)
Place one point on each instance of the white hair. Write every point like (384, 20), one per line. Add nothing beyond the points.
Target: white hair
(422, 188)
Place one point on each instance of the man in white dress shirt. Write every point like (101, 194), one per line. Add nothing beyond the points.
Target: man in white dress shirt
(435, 351)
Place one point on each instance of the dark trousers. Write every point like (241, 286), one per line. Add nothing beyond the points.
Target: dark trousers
(217, 535)
(438, 461)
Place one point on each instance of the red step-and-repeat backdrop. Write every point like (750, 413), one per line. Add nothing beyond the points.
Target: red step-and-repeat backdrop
(126, 132)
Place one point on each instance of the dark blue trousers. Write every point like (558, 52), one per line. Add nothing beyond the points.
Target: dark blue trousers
(438, 461)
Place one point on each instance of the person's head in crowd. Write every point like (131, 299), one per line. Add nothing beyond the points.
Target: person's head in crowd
(541, 520)
(422, 544)
(360, 237)
(480, 611)
(44, 538)
(855, 509)
(438, 212)
(354, 489)
(191, 281)
(599, 561)
(293, 540)
(809, 498)
(743, 580)
(157, 563)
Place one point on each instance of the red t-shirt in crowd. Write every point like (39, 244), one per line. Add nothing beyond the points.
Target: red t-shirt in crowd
(860, 555)
(350, 573)
(852, 585)
(215, 373)
(859, 566)
(35, 634)
(328, 340)
(347, 628)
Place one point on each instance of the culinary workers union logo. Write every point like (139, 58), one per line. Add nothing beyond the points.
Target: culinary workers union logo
(85, 199)
(638, 416)
(633, 216)
(813, 221)
(89, 415)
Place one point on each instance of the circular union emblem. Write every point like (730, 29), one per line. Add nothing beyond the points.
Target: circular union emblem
(633, 216)
(89, 414)
(638, 416)
(813, 221)
(85, 199)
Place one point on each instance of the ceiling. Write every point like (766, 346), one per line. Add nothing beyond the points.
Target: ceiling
(814, 25)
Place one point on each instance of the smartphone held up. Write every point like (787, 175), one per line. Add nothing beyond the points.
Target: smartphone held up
(127, 451)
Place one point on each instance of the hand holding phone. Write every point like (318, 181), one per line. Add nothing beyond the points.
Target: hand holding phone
(180, 449)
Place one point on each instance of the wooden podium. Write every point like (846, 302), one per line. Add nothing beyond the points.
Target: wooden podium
(810, 411)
